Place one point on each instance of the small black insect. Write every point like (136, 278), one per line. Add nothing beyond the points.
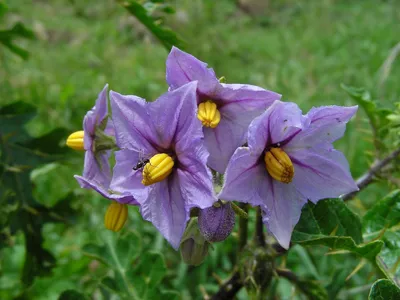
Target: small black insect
(140, 164)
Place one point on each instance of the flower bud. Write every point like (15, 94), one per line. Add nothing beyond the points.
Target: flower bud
(116, 216)
(279, 165)
(157, 169)
(208, 114)
(216, 222)
(194, 248)
(75, 140)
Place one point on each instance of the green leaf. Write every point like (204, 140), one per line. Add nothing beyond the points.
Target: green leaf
(376, 115)
(384, 289)
(382, 221)
(166, 36)
(17, 31)
(72, 295)
(330, 223)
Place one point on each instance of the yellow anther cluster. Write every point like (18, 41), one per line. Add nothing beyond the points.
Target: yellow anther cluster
(116, 216)
(157, 169)
(208, 114)
(75, 140)
(279, 165)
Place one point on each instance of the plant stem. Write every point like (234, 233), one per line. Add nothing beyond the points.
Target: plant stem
(229, 289)
(368, 177)
(259, 233)
(243, 225)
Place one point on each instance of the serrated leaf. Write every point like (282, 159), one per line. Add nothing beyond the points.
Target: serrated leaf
(384, 289)
(318, 222)
(382, 221)
(165, 35)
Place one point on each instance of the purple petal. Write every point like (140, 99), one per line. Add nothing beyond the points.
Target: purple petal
(246, 180)
(165, 208)
(125, 178)
(133, 130)
(282, 211)
(195, 178)
(105, 192)
(183, 68)
(320, 174)
(327, 124)
(280, 122)
(175, 119)
(97, 167)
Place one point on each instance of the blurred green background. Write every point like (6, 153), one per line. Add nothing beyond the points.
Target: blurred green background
(301, 49)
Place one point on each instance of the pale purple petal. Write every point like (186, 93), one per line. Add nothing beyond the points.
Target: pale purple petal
(319, 174)
(174, 118)
(279, 123)
(183, 68)
(123, 198)
(94, 117)
(168, 213)
(131, 121)
(327, 124)
(97, 167)
(125, 178)
(195, 178)
(282, 210)
(246, 179)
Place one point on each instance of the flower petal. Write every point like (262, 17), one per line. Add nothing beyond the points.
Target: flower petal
(282, 210)
(321, 173)
(125, 178)
(97, 168)
(327, 124)
(133, 128)
(103, 190)
(94, 117)
(183, 68)
(165, 208)
(279, 123)
(174, 118)
(195, 178)
(246, 180)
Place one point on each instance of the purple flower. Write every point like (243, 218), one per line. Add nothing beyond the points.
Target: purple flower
(290, 159)
(225, 110)
(166, 137)
(97, 171)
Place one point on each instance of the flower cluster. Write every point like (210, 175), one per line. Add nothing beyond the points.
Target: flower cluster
(271, 155)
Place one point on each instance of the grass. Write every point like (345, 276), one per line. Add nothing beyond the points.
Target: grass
(301, 49)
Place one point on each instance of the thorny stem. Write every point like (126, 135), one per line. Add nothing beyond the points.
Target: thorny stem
(229, 289)
(368, 177)
(243, 225)
(259, 233)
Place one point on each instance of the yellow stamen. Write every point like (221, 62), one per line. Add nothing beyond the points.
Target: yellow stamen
(208, 114)
(75, 140)
(116, 216)
(157, 169)
(279, 165)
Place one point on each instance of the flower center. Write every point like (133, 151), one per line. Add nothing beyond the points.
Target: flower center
(279, 165)
(75, 140)
(116, 216)
(157, 169)
(208, 114)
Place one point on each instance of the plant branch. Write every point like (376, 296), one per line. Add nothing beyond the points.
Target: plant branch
(243, 224)
(368, 177)
(229, 289)
(259, 233)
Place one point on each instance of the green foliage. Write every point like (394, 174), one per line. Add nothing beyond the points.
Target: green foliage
(72, 295)
(8, 36)
(137, 275)
(382, 222)
(384, 289)
(19, 155)
(166, 36)
(330, 223)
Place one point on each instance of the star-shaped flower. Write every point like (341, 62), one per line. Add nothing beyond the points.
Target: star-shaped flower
(163, 160)
(289, 159)
(225, 110)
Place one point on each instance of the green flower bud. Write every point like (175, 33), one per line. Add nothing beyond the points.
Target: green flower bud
(194, 248)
